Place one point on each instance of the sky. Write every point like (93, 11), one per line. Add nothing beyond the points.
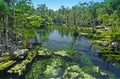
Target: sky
(56, 4)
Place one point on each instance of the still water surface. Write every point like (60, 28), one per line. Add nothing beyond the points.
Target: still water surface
(57, 39)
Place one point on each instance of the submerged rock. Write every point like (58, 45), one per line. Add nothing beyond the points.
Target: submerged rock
(54, 68)
(74, 72)
(62, 53)
(47, 68)
(67, 54)
(44, 52)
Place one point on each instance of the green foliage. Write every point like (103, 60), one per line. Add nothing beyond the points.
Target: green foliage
(35, 21)
(115, 33)
(3, 8)
(104, 18)
(114, 18)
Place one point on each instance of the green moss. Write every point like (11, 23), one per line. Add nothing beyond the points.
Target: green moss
(46, 68)
(5, 58)
(44, 52)
(21, 67)
(75, 72)
(6, 64)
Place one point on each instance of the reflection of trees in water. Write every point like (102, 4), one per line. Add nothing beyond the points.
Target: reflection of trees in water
(109, 60)
(74, 42)
(45, 33)
(63, 31)
(44, 36)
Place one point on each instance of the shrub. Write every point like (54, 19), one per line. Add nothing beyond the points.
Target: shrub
(115, 33)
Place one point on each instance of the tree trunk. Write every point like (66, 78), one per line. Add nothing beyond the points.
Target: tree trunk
(15, 23)
(67, 19)
(0, 32)
(75, 30)
(22, 33)
(94, 28)
(7, 30)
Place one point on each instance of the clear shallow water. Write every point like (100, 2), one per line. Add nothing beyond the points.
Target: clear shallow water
(57, 40)
(61, 39)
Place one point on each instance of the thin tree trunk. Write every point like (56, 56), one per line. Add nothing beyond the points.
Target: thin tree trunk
(0, 32)
(22, 33)
(74, 20)
(7, 30)
(94, 29)
(67, 19)
(75, 31)
(15, 22)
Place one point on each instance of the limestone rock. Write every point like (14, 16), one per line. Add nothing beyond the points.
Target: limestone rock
(104, 43)
(114, 44)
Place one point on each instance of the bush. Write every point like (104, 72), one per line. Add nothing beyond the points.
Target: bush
(115, 33)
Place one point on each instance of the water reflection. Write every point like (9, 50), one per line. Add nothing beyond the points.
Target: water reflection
(63, 40)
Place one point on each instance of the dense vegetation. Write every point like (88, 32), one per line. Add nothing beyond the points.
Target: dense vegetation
(21, 13)
(19, 20)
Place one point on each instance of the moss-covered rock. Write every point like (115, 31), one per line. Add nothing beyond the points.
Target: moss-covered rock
(21, 67)
(6, 64)
(75, 72)
(44, 52)
(62, 53)
(54, 68)
(69, 54)
(47, 68)
(5, 58)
